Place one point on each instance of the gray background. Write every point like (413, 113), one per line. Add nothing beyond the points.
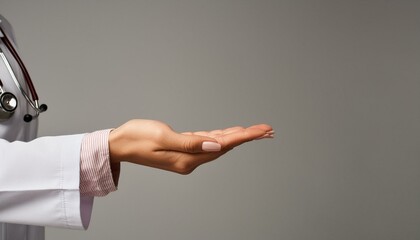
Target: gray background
(338, 80)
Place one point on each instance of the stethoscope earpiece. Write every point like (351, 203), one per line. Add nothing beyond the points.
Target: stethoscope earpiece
(43, 107)
(28, 117)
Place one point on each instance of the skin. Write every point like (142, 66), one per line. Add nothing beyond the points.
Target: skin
(154, 144)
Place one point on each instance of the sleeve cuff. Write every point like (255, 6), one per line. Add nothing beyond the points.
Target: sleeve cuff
(97, 178)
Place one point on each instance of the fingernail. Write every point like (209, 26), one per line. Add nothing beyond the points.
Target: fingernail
(267, 135)
(211, 147)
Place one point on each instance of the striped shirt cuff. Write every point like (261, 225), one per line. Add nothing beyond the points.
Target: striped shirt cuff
(96, 176)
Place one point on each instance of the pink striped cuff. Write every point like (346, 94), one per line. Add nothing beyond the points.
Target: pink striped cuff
(96, 176)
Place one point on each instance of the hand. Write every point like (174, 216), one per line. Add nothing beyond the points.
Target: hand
(155, 144)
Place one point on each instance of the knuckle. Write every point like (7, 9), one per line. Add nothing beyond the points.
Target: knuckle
(188, 146)
(159, 134)
(222, 141)
(184, 168)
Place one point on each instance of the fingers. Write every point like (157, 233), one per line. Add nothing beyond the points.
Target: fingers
(228, 139)
(191, 143)
(218, 132)
(267, 135)
(264, 127)
(239, 137)
(205, 141)
(193, 149)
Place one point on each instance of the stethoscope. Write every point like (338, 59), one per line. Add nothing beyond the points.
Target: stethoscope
(8, 101)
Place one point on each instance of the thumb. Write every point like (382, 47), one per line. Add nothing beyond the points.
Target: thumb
(193, 143)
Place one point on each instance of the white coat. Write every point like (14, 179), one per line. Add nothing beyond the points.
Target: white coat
(39, 179)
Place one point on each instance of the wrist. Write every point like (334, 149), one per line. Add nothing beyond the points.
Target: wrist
(115, 162)
(114, 155)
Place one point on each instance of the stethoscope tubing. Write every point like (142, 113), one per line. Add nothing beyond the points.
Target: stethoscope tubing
(15, 55)
(34, 102)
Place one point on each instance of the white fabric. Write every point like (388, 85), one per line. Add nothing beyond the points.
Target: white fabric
(39, 179)
(39, 182)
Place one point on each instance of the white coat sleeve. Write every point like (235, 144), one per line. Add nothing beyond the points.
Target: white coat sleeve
(39, 183)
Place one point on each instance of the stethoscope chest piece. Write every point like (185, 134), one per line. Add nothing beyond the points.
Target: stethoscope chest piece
(8, 104)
